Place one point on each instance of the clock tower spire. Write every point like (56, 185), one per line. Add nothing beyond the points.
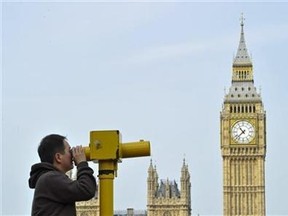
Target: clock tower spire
(242, 65)
(243, 140)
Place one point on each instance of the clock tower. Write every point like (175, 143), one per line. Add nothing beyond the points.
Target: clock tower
(243, 140)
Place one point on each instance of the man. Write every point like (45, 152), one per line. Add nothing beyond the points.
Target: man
(55, 193)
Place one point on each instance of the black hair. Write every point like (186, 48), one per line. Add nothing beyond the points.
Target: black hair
(49, 146)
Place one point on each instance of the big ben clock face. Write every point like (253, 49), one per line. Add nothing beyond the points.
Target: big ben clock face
(243, 132)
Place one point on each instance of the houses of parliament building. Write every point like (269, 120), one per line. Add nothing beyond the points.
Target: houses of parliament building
(164, 197)
(243, 149)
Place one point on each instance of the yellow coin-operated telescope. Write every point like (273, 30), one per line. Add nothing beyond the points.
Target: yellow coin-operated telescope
(106, 148)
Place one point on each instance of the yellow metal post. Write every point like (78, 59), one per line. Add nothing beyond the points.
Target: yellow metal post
(106, 177)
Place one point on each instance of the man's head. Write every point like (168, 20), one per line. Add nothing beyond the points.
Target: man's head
(55, 149)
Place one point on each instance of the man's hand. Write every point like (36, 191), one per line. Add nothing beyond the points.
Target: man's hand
(78, 154)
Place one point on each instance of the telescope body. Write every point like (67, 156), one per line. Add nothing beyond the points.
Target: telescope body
(106, 145)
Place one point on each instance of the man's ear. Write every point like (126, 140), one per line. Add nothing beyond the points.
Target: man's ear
(57, 158)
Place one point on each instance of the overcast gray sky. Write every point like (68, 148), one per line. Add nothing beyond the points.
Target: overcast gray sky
(154, 71)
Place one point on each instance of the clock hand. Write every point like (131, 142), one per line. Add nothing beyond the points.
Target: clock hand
(238, 136)
(242, 131)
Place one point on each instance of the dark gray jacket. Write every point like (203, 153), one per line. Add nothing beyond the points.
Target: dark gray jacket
(55, 193)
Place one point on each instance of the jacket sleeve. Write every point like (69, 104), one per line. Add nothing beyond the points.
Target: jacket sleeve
(85, 179)
(61, 188)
